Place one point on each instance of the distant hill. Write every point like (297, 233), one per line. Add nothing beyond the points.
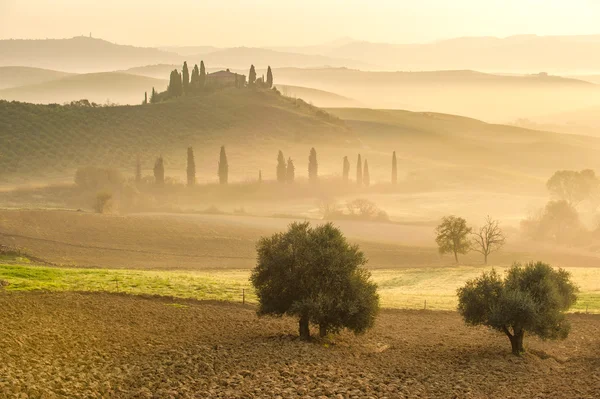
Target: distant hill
(521, 54)
(320, 98)
(115, 87)
(189, 50)
(40, 141)
(79, 54)
(491, 97)
(20, 76)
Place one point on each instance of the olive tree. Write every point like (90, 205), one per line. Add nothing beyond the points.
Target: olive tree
(530, 299)
(316, 275)
(452, 236)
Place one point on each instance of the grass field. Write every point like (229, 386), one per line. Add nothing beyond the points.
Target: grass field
(399, 288)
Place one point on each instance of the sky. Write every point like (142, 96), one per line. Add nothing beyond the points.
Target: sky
(230, 23)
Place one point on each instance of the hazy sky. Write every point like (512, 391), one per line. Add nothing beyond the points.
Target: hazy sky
(292, 22)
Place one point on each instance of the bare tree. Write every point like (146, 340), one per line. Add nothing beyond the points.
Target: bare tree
(489, 238)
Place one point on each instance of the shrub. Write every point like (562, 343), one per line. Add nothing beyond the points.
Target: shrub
(531, 298)
(104, 203)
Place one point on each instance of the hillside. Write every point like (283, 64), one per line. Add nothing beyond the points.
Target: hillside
(20, 76)
(320, 98)
(79, 54)
(46, 140)
(492, 97)
(120, 88)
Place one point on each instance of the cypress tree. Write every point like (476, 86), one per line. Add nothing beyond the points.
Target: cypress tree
(186, 77)
(269, 77)
(281, 168)
(175, 88)
(195, 79)
(394, 169)
(153, 96)
(145, 97)
(138, 170)
(191, 167)
(159, 171)
(223, 167)
(313, 166)
(359, 174)
(291, 171)
(252, 76)
(202, 79)
(346, 170)
(366, 177)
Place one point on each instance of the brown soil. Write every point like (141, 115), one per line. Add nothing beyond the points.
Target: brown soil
(101, 345)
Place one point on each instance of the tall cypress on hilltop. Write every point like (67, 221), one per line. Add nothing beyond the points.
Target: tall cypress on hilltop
(195, 79)
(313, 166)
(252, 76)
(186, 77)
(202, 79)
(346, 170)
(291, 171)
(191, 167)
(359, 173)
(223, 167)
(366, 176)
(394, 169)
(281, 168)
(269, 77)
(153, 96)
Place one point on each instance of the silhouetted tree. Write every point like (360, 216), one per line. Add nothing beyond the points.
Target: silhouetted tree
(252, 76)
(489, 238)
(138, 170)
(317, 276)
(281, 168)
(359, 173)
(153, 96)
(223, 167)
(269, 77)
(531, 298)
(394, 169)
(291, 171)
(366, 176)
(572, 186)
(346, 170)
(452, 236)
(313, 166)
(202, 79)
(175, 88)
(186, 77)
(159, 171)
(191, 167)
(145, 98)
(195, 79)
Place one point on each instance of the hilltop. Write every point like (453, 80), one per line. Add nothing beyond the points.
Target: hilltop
(49, 140)
(20, 76)
(115, 87)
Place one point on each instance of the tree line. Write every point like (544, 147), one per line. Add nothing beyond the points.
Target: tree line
(285, 170)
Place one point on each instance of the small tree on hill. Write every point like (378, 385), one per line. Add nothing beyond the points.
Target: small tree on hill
(191, 167)
(252, 76)
(489, 238)
(153, 96)
(195, 79)
(317, 276)
(159, 171)
(394, 169)
(452, 236)
(530, 299)
(185, 77)
(269, 77)
(359, 173)
(145, 98)
(313, 166)
(291, 171)
(138, 170)
(223, 167)
(366, 176)
(281, 168)
(202, 78)
(346, 170)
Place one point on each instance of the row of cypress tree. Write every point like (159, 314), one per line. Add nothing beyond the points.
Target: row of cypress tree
(285, 171)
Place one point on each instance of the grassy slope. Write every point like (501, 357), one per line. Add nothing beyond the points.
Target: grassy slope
(54, 139)
(317, 97)
(20, 76)
(121, 88)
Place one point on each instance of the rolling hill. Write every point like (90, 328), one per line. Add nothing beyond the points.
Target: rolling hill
(51, 140)
(21, 76)
(320, 98)
(114, 87)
